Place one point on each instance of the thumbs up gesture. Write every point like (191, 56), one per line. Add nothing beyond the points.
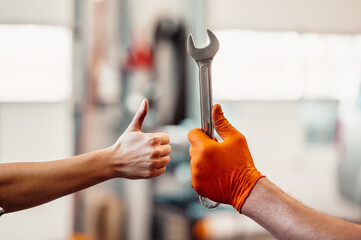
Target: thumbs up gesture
(138, 155)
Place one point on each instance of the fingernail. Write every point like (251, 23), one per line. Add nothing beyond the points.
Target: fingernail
(142, 105)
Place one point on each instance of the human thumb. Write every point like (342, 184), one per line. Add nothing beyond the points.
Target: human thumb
(221, 124)
(137, 122)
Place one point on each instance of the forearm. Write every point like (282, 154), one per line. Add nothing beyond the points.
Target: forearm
(135, 155)
(24, 185)
(286, 218)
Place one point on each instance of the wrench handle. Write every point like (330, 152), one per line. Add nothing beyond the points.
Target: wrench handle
(205, 84)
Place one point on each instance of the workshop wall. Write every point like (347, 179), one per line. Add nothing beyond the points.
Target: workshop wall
(279, 15)
(293, 141)
(55, 12)
(33, 127)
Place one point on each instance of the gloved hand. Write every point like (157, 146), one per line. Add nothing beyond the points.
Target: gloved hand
(223, 172)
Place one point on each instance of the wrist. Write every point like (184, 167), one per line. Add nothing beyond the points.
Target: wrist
(117, 161)
(101, 160)
(260, 194)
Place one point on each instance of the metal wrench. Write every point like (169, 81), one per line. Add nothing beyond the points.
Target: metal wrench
(204, 57)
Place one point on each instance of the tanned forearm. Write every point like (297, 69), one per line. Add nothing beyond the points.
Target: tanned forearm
(286, 218)
(24, 185)
(135, 155)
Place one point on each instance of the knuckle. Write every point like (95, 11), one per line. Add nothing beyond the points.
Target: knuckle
(154, 140)
(160, 163)
(241, 139)
(222, 123)
(153, 164)
(156, 152)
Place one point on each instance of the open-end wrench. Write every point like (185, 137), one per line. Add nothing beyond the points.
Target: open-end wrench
(204, 57)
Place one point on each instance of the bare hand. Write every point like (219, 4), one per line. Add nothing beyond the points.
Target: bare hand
(140, 155)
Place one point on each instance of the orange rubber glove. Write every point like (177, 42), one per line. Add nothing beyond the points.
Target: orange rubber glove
(223, 172)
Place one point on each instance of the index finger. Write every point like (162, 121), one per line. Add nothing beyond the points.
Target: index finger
(160, 138)
(196, 135)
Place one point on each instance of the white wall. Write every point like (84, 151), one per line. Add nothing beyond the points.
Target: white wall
(36, 132)
(341, 16)
(54, 12)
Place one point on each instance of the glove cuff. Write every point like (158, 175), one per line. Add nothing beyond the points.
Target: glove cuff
(245, 187)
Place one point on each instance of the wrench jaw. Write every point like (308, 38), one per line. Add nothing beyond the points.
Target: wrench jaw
(203, 54)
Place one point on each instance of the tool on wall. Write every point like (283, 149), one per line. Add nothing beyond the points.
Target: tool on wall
(204, 57)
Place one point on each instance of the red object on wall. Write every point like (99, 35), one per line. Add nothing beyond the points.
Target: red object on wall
(140, 56)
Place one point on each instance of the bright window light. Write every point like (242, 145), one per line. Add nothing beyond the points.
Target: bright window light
(35, 63)
(256, 65)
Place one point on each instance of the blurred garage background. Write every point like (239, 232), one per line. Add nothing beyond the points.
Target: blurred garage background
(73, 73)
